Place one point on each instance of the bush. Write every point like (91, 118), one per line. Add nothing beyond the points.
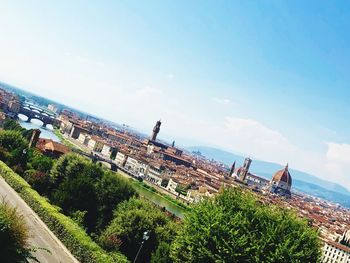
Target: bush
(79, 184)
(112, 189)
(235, 227)
(14, 235)
(74, 237)
(40, 181)
(12, 140)
(131, 219)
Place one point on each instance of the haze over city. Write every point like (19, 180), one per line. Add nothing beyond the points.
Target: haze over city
(268, 80)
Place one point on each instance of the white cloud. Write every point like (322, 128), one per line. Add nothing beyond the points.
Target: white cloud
(338, 153)
(250, 137)
(338, 162)
(147, 91)
(222, 101)
(255, 138)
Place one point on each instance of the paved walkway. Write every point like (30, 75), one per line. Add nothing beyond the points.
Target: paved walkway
(40, 235)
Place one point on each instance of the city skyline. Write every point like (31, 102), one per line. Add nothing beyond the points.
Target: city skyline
(263, 79)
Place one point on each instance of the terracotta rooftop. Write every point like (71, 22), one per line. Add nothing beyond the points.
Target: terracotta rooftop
(46, 145)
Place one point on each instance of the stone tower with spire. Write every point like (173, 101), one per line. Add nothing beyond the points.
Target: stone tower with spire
(232, 168)
(156, 130)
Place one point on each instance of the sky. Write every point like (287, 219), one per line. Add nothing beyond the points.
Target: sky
(267, 79)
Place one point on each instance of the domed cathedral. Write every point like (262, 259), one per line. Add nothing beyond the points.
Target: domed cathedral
(281, 183)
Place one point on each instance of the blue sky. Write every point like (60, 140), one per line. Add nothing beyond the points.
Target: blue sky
(269, 79)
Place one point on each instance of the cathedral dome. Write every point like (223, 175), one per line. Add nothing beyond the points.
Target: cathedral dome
(283, 176)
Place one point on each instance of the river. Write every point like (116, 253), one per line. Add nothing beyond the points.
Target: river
(46, 132)
(160, 201)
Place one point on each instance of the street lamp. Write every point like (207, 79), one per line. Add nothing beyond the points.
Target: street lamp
(144, 238)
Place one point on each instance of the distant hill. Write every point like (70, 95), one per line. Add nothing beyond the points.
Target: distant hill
(302, 181)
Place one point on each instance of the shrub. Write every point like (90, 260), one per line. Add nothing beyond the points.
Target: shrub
(14, 235)
(131, 219)
(71, 235)
(235, 227)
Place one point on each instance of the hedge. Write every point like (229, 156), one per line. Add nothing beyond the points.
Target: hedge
(70, 234)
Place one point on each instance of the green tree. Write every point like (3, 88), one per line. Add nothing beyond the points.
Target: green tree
(235, 227)
(13, 125)
(79, 184)
(166, 235)
(39, 162)
(78, 193)
(12, 140)
(72, 165)
(13, 145)
(10, 124)
(112, 189)
(14, 235)
(40, 181)
(162, 253)
(131, 219)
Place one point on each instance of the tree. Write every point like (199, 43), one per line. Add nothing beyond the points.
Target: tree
(40, 181)
(74, 180)
(79, 184)
(13, 125)
(39, 162)
(12, 146)
(235, 227)
(78, 193)
(114, 153)
(112, 189)
(166, 235)
(14, 235)
(10, 124)
(131, 219)
(72, 165)
(12, 140)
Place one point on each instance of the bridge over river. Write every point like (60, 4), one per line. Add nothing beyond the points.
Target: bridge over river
(36, 112)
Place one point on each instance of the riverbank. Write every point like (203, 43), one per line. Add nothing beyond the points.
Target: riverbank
(63, 139)
(165, 196)
(150, 192)
(164, 200)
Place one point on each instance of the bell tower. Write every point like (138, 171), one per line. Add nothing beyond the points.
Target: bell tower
(233, 168)
(245, 169)
(156, 130)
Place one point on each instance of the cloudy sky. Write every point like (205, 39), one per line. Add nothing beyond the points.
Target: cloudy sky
(269, 79)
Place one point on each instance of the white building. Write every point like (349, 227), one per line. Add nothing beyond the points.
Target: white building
(153, 175)
(172, 185)
(52, 108)
(150, 149)
(106, 150)
(84, 138)
(132, 165)
(143, 168)
(95, 144)
(334, 252)
(65, 125)
(119, 158)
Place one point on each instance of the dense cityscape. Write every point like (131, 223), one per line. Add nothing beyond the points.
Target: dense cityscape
(174, 131)
(185, 176)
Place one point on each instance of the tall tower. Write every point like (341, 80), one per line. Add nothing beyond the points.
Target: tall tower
(232, 168)
(245, 169)
(156, 130)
